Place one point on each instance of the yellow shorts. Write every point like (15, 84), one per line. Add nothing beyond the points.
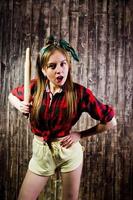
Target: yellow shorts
(44, 161)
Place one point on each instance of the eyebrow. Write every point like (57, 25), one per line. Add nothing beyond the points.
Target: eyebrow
(56, 62)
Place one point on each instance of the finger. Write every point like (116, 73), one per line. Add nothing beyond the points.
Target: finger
(66, 138)
(68, 144)
(24, 112)
(24, 109)
(25, 103)
(65, 141)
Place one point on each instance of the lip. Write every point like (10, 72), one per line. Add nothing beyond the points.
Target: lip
(59, 79)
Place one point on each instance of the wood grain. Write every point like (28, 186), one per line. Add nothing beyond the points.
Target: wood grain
(101, 32)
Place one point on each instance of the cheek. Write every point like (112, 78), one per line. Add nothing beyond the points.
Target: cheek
(50, 74)
(67, 70)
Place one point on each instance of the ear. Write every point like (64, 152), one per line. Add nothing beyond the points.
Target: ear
(44, 72)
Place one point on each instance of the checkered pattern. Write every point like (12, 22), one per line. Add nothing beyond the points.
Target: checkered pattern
(53, 121)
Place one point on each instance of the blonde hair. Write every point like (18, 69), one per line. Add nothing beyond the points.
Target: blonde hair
(42, 81)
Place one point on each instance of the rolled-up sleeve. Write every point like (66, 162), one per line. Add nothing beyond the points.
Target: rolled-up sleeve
(96, 109)
(19, 91)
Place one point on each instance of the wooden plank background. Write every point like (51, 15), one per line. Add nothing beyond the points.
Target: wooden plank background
(102, 32)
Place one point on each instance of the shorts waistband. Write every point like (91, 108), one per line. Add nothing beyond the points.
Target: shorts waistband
(39, 141)
(42, 142)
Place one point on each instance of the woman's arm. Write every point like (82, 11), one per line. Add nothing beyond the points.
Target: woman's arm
(99, 128)
(76, 135)
(22, 106)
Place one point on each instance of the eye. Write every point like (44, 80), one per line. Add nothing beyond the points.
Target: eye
(63, 64)
(52, 65)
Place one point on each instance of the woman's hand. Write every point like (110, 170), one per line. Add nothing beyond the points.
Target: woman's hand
(70, 139)
(24, 107)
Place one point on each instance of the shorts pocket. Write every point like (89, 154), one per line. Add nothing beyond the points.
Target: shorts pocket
(72, 151)
(39, 150)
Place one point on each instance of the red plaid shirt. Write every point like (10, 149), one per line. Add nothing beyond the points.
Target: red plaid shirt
(53, 122)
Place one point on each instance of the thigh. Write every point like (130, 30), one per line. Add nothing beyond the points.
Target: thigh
(42, 162)
(32, 186)
(72, 157)
(71, 183)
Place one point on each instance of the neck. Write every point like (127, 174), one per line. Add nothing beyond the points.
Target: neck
(54, 89)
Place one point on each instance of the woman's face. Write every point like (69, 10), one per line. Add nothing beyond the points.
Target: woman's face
(56, 70)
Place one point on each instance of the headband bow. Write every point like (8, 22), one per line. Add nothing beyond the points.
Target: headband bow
(61, 43)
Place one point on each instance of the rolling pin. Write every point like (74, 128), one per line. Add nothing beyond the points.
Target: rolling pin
(27, 76)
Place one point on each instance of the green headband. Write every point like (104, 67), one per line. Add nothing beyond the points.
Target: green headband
(61, 43)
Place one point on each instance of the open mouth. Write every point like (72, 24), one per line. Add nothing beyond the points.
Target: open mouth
(59, 78)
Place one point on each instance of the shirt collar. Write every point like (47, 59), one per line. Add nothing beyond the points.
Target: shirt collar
(48, 89)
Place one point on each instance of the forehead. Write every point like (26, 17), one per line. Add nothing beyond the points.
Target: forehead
(56, 56)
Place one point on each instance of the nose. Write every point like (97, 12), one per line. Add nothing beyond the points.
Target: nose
(58, 69)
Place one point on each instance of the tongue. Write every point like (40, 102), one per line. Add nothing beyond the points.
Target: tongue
(59, 78)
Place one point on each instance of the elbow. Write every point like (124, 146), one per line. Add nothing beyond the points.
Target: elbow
(10, 97)
(112, 124)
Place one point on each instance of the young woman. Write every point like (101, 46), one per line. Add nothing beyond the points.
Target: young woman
(57, 104)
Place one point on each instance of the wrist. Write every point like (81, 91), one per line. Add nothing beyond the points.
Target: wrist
(14, 101)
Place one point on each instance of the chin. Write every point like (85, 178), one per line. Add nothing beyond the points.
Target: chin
(61, 83)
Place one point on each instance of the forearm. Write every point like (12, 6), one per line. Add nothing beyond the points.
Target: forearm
(22, 106)
(99, 128)
(14, 101)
